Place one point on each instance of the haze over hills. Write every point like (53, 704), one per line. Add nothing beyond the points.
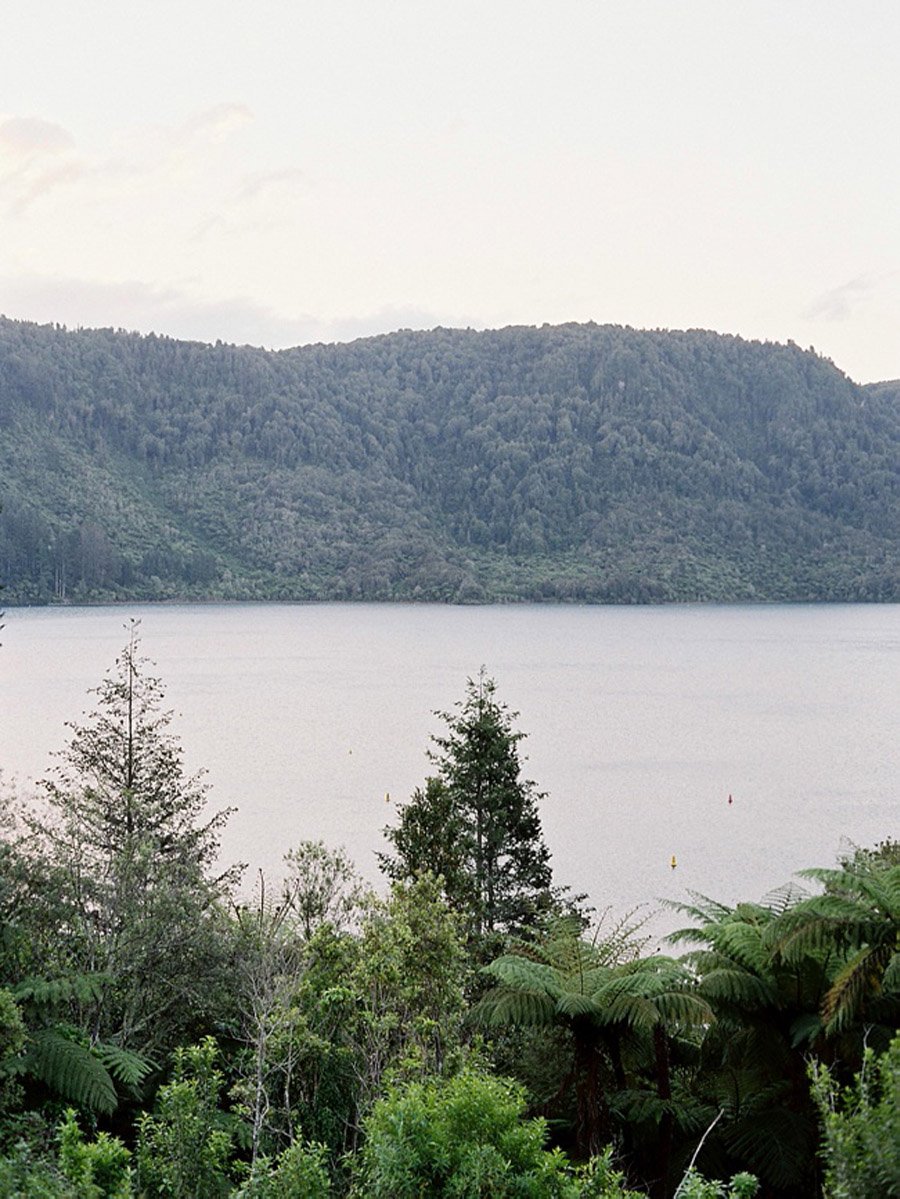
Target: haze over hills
(578, 462)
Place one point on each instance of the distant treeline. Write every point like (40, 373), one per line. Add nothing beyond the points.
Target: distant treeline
(580, 462)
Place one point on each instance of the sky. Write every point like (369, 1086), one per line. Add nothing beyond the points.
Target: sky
(293, 171)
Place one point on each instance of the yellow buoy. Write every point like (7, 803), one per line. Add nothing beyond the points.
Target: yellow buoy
(673, 863)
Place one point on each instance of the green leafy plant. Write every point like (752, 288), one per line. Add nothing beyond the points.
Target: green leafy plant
(183, 1149)
(99, 1168)
(861, 1127)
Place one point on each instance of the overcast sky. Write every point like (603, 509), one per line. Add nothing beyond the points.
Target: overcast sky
(290, 171)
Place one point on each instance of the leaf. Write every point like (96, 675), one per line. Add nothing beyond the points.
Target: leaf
(71, 1070)
(126, 1067)
(49, 993)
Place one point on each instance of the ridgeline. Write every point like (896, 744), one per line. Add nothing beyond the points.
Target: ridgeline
(573, 463)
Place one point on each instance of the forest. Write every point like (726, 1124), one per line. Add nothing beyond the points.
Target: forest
(474, 1029)
(574, 463)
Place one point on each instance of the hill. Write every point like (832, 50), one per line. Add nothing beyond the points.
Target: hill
(578, 462)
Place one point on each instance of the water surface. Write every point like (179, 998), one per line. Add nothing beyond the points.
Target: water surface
(314, 720)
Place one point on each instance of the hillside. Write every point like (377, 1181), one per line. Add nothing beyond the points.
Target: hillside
(578, 462)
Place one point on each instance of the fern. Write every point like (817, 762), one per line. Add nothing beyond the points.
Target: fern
(127, 1068)
(44, 993)
(69, 1069)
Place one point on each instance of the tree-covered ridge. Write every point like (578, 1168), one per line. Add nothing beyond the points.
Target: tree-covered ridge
(575, 462)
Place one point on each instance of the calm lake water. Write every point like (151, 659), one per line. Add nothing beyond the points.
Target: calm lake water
(313, 720)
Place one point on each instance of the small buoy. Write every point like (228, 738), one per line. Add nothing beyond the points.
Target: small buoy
(673, 863)
(730, 800)
(387, 797)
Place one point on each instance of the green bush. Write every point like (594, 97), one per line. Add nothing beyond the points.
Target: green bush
(99, 1168)
(459, 1138)
(183, 1151)
(300, 1172)
(861, 1128)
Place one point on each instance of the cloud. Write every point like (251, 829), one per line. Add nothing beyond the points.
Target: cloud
(24, 137)
(266, 182)
(146, 308)
(36, 157)
(217, 123)
(841, 303)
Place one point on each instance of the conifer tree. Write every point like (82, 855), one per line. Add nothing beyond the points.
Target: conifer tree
(126, 853)
(477, 821)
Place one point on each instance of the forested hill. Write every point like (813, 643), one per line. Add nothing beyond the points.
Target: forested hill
(577, 462)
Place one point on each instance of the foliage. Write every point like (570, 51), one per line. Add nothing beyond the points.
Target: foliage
(858, 915)
(408, 986)
(753, 1058)
(300, 1172)
(622, 1013)
(861, 1127)
(321, 886)
(183, 1150)
(120, 866)
(25, 1175)
(695, 1186)
(495, 865)
(328, 1020)
(100, 1168)
(57, 1055)
(463, 1136)
(588, 463)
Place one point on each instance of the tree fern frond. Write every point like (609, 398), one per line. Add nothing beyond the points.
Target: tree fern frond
(126, 1067)
(682, 1007)
(634, 1010)
(71, 1070)
(743, 943)
(709, 911)
(575, 1003)
(737, 987)
(502, 1006)
(891, 980)
(805, 1029)
(859, 976)
(775, 1143)
(49, 993)
(515, 971)
(782, 899)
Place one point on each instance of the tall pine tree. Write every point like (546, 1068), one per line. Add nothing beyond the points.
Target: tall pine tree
(477, 822)
(126, 854)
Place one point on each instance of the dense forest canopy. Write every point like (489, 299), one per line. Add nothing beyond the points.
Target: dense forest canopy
(579, 462)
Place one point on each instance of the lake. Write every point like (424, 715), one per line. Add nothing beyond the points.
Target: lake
(314, 721)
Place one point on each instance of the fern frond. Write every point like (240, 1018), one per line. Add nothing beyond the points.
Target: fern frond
(127, 1068)
(521, 1007)
(575, 1003)
(71, 1070)
(859, 976)
(891, 980)
(47, 993)
(515, 971)
(736, 986)
(805, 1029)
(743, 943)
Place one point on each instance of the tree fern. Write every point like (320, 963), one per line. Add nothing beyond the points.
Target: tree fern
(48, 993)
(127, 1068)
(69, 1069)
